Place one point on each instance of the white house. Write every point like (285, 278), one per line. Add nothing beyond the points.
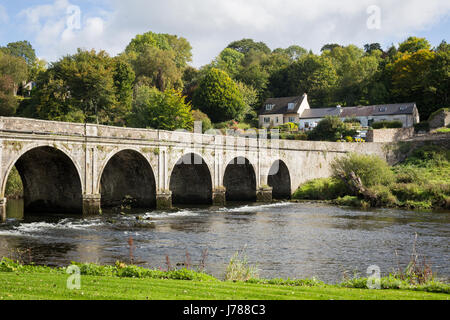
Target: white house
(278, 111)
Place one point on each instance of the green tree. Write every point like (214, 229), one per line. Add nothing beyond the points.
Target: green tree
(245, 45)
(81, 87)
(180, 47)
(414, 44)
(8, 103)
(22, 49)
(312, 74)
(219, 97)
(166, 110)
(123, 76)
(14, 67)
(229, 60)
(160, 68)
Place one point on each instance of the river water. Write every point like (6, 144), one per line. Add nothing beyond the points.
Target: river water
(287, 240)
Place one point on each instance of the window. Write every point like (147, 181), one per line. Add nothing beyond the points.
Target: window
(307, 125)
(403, 108)
(291, 106)
(266, 120)
(269, 107)
(383, 109)
(291, 119)
(276, 120)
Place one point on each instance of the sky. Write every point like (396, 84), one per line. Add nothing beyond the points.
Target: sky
(58, 27)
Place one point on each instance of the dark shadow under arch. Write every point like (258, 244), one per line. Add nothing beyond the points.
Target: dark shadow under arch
(51, 182)
(280, 180)
(240, 180)
(190, 181)
(128, 174)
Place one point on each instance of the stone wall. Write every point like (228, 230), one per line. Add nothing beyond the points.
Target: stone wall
(389, 135)
(441, 119)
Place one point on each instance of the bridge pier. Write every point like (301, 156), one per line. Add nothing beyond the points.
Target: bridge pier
(91, 204)
(3, 210)
(219, 197)
(264, 194)
(164, 200)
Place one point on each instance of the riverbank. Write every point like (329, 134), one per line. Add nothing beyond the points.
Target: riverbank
(421, 181)
(134, 283)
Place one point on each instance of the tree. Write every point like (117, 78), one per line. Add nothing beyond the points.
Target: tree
(87, 86)
(229, 60)
(123, 76)
(414, 44)
(160, 68)
(22, 49)
(180, 47)
(369, 48)
(311, 74)
(293, 52)
(14, 67)
(329, 47)
(8, 103)
(250, 98)
(219, 97)
(245, 45)
(422, 77)
(161, 110)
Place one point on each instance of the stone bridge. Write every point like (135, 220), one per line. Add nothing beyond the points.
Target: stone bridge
(80, 168)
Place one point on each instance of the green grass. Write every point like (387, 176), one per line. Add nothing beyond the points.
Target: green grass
(36, 286)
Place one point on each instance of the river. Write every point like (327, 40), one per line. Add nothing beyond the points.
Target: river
(284, 240)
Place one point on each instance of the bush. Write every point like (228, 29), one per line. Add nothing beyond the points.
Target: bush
(321, 189)
(384, 196)
(238, 269)
(371, 169)
(387, 125)
(351, 201)
(200, 116)
(331, 129)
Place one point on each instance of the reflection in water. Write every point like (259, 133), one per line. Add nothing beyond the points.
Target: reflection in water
(284, 239)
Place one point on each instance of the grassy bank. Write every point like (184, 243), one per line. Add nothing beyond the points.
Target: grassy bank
(131, 282)
(422, 181)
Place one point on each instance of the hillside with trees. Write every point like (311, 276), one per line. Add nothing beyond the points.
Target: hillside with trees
(152, 79)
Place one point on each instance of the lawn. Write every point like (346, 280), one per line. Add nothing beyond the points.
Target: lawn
(45, 286)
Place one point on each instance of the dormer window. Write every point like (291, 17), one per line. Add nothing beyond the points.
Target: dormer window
(269, 107)
(383, 109)
(291, 106)
(403, 108)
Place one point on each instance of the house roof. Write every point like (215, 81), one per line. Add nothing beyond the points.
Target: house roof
(349, 112)
(281, 105)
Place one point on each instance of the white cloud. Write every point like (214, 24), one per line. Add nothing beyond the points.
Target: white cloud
(211, 24)
(4, 18)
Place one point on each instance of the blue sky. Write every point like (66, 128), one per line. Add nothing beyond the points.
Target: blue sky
(54, 28)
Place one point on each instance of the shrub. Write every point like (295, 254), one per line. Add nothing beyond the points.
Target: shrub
(331, 129)
(200, 116)
(371, 169)
(348, 139)
(384, 196)
(387, 125)
(238, 269)
(321, 189)
(351, 201)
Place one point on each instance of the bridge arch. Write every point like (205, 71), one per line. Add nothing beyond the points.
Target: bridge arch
(191, 180)
(127, 173)
(51, 179)
(240, 180)
(279, 179)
